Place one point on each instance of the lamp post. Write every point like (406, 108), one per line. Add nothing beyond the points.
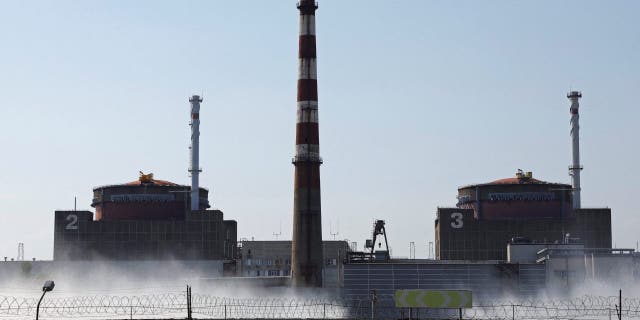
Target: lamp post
(48, 286)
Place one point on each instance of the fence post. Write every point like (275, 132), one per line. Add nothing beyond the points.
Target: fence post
(189, 303)
(619, 306)
(225, 310)
(324, 311)
(131, 312)
(513, 312)
(373, 304)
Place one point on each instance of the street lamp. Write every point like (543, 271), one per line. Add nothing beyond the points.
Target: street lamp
(48, 286)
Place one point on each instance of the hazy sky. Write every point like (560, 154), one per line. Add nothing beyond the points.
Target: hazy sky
(416, 98)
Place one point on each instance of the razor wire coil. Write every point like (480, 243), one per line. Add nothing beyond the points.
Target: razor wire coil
(171, 305)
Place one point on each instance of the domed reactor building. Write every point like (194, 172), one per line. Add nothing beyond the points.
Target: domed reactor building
(144, 199)
(522, 210)
(148, 219)
(519, 209)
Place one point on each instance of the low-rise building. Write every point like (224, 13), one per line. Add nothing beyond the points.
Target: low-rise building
(273, 259)
(571, 268)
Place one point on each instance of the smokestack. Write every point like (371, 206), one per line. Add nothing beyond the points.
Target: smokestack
(575, 167)
(306, 248)
(194, 168)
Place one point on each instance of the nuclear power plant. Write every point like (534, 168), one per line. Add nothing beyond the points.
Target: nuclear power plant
(500, 237)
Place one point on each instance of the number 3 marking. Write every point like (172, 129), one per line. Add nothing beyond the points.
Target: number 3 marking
(73, 222)
(457, 220)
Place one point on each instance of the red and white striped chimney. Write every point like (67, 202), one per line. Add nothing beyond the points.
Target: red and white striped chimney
(306, 248)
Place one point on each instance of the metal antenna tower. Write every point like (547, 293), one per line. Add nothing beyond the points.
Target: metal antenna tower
(279, 232)
(337, 231)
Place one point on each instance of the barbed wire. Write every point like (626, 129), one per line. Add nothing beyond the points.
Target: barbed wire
(171, 305)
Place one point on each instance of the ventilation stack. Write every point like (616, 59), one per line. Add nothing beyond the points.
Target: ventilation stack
(575, 167)
(306, 255)
(194, 168)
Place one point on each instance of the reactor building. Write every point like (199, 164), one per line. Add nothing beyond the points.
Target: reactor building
(488, 216)
(146, 219)
(521, 209)
(149, 219)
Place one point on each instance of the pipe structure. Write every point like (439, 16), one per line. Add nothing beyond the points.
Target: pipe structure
(306, 247)
(194, 168)
(575, 167)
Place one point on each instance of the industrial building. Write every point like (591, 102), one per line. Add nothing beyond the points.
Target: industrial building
(490, 278)
(144, 220)
(488, 215)
(567, 268)
(149, 219)
(572, 265)
(273, 258)
(532, 269)
(144, 199)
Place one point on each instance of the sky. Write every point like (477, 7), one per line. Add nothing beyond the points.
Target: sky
(416, 98)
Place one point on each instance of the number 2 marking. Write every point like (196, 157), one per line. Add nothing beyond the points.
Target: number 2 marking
(457, 220)
(73, 222)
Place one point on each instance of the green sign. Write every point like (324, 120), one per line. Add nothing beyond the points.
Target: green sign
(417, 298)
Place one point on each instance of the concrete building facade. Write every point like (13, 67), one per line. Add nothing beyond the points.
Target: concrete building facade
(483, 278)
(146, 219)
(203, 235)
(489, 215)
(273, 259)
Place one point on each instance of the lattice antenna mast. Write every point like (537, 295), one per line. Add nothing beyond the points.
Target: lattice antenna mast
(331, 231)
(279, 233)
